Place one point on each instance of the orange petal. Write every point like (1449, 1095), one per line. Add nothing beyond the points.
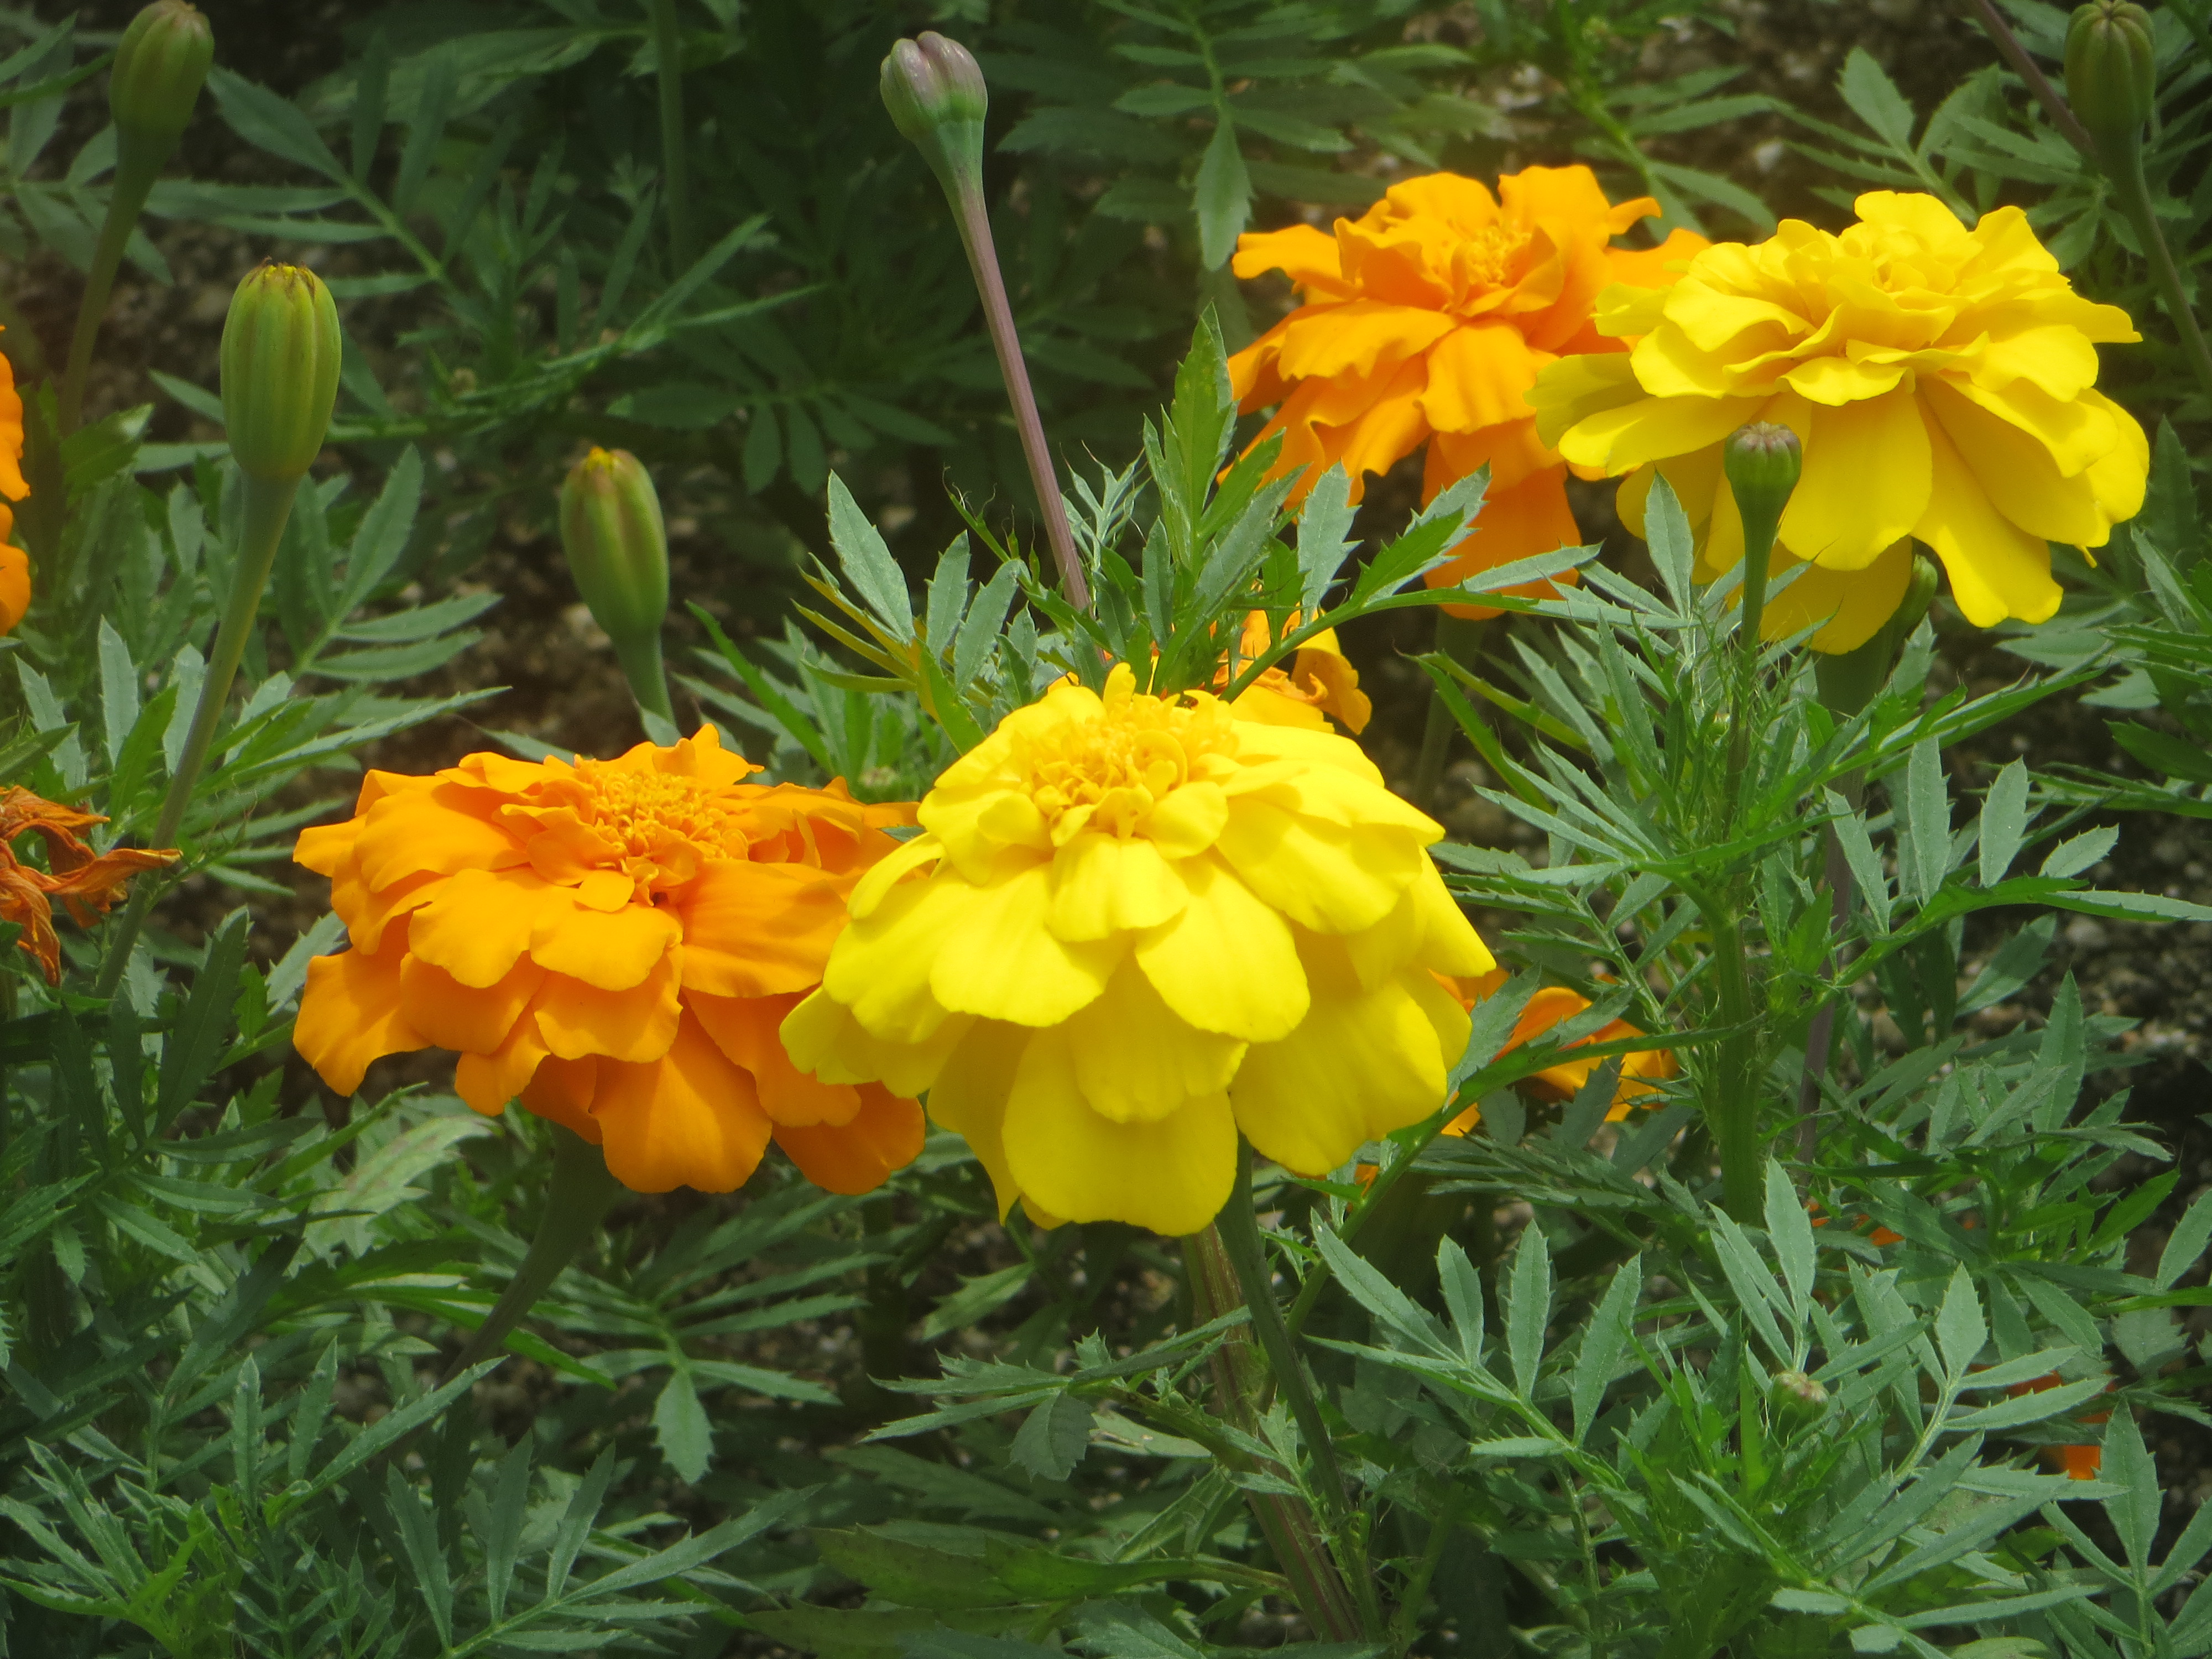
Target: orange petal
(745, 1029)
(636, 1025)
(450, 1015)
(609, 950)
(480, 922)
(858, 1157)
(14, 577)
(690, 1119)
(752, 929)
(352, 1014)
(561, 1091)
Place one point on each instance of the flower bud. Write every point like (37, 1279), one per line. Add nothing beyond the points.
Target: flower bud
(1796, 1400)
(936, 96)
(618, 545)
(280, 370)
(2112, 68)
(1919, 594)
(159, 65)
(1762, 461)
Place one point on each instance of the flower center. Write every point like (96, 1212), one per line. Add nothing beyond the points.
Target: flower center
(653, 814)
(1486, 257)
(1108, 773)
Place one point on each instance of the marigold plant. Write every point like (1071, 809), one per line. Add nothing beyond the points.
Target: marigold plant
(85, 881)
(1135, 926)
(1940, 380)
(1641, 1069)
(613, 944)
(1320, 680)
(1428, 319)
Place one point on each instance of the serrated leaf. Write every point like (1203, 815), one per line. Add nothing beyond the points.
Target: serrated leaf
(1531, 1312)
(1960, 1330)
(1222, 196)
(1053, 1436)
(867, 562)
(1875, 98)
(2004, 822)
(2079, 853)
(1602, 1342)
(680, 1427)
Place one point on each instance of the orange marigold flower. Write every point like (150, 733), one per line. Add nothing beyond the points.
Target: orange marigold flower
(85, 881)
(1641, 1071)
(1321, 680)
(1427, 318)
(15, 563)
(613, 943)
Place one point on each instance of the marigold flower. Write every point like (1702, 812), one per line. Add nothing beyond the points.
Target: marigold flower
(1135, 926)
(614, 944)
(85, 881)
(1642, 1070)
(1940, 380)
(15, 563)
(1428, 317)
(1321, 680)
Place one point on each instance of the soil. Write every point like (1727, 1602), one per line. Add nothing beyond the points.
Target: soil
(563, 684)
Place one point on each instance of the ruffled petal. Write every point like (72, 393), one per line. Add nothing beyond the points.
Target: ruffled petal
(1865, 482)
(352, 1013)
(971, 1093)
(1103, 884)
(636, 1025)
(1227, 963)
(1135, 1061)
(687, 1119)
(1997, 569)
(884, 1136)
(745, 1029)
(448, 1014)
(756, 930)
(824, 1039)
(996, 958)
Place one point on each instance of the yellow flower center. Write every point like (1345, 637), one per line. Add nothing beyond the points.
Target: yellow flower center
(1107, 773)
(651, 814)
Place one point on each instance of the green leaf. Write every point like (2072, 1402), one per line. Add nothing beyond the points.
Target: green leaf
(1053, 1436)
(2079, 853)
(1531, 1312)
(418, 1536)
(1875, 98)
(190, 1055)
(1924, 819)
(2004, 822)
(1790, 1229)
(274, 123)
(1603, 1339)
(1324, 537)
(1222, 197)
(680, 1428)
(867, 562)
(2185, 1242)
(119, 690)
(1960, 1329)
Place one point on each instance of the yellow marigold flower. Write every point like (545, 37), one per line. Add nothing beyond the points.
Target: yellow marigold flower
(1641, 1069)
(1428, 319)
(1940, 380)
(1321, 680)
(614, 943)
(15, 563)
(1135, 926)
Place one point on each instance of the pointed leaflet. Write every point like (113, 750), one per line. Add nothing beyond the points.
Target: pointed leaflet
(1924, 814)
(1602, 1342)
(1222, 197)
(1790, 1230)
(868, 563)
(1960, 1329)
(1324, 539)
(1531, 1312)
(2004, 821)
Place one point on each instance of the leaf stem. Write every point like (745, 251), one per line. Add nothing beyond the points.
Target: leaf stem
(2009, 48)
(268, 507)
(2122, 165)
(668, 56)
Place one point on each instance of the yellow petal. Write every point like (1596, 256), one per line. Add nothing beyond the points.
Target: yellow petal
(1135, 1061)
(1332, 877)
(1102, 886)
(1864, 485)
(687, 1119)
(880, 968)
(1362, 1064)
(2014, 467)
(824, 1040)
(1850, 605)
(996, 958)
(1621, 440)
(1226, 963)
(969, 1098)
(2117, 479)
(1172, 1175)
(1997, 569)
(1187, 820)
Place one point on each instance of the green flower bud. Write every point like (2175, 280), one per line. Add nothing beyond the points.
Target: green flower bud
(618, 545)
(2111, 69)
(936, 96)
(159, 66)
(1796, 1400)
(1762, 461)
(280, 370)
(1919, 594)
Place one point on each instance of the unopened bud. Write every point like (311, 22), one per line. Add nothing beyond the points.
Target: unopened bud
(159, 65)
(1796, 1399)
(1762, 461)
(2112, 68)
(280, 370)
(934, 91)
(618, 544)
(1919, 594)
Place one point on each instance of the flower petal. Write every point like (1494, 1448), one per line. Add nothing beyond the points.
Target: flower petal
(971, 1093)
(1865, 482)
(687, 1119)
(824, 1039)
(1135, 1061)
(450, 1015)
(745, 1029)
(635, 1025)
(352, 1014)
(756, 930)
(1103, 884)
(996, 958)
(858, 1157)
(1997, 569)
(1226, 963)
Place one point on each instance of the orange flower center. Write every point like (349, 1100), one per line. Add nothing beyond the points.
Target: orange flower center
(1123, 764)
(651, 813)
(1488, 256)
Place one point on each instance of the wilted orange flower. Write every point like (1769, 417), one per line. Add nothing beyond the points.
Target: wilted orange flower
(1428, 317)
(15, 563)
(614, 944)
(1320, 681)
(1641, 1071)
(85, 881)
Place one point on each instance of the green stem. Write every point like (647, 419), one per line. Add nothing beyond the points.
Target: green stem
(668, 53)
(268, 506)
(999, 314)
(1738, 1126)
(138, 162)
(642, 667)
(577, 1200)
(1460, 639)
(2122, 164)
(1240, 1380)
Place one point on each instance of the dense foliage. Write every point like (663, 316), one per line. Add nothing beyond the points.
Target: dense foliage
(1838, 1332)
